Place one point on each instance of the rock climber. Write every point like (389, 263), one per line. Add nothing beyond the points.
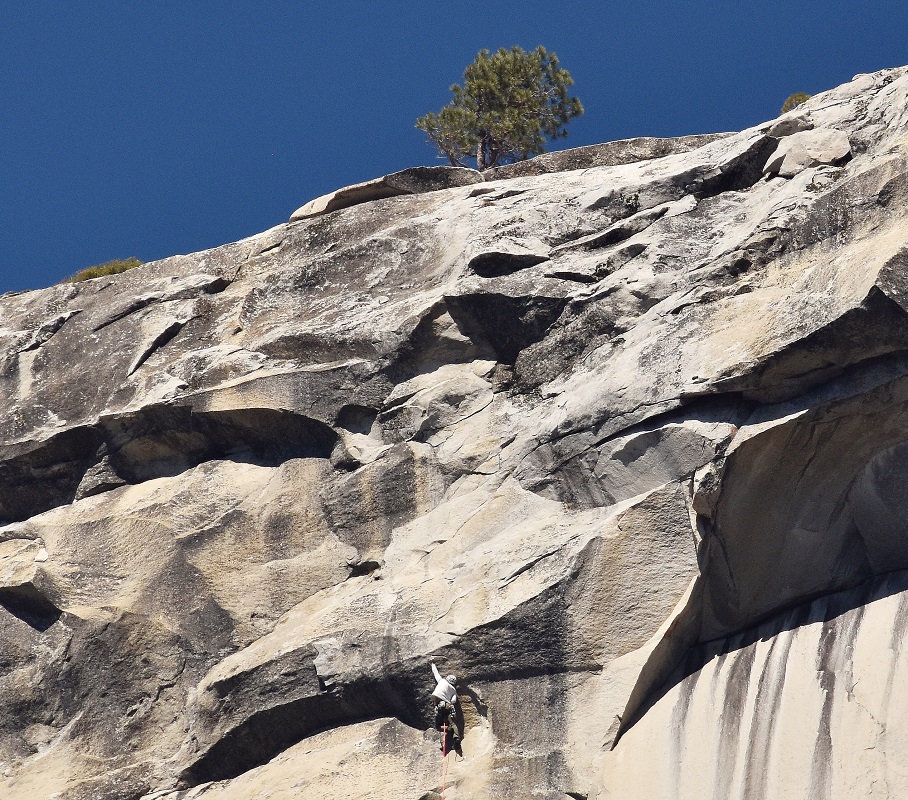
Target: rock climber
(445, 699)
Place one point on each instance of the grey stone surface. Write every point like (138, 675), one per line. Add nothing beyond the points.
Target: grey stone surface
(793, 122)
(609, 154)
(414, 180)
(621, 445)
(809, 148)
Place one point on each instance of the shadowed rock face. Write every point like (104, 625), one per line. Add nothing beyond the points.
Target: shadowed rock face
(618, 438)
(609, 154)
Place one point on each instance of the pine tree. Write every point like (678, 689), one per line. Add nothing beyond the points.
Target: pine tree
(510, 103)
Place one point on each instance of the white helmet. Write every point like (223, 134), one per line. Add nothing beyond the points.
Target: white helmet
(452, 679)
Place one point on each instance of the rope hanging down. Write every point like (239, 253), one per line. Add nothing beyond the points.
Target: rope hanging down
(444, 757)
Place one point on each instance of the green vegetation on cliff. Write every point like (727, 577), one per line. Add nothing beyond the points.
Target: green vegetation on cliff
(510, 103)
(107, 268)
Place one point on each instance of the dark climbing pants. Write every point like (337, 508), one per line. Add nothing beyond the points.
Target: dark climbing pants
(444, 715)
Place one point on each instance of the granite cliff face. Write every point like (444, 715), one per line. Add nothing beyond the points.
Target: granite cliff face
(620, 438)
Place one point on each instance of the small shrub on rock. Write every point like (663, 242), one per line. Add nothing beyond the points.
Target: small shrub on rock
(107, 268)
(794, 101)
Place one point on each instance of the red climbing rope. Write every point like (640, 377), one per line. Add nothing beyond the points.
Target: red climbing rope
(444, 757)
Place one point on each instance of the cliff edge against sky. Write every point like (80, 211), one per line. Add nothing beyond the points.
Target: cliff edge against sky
(619, 436)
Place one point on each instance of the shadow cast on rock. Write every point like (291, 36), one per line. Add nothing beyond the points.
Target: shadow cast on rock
(29, 605)
(264, 734)
(155, 442)
(823, 609)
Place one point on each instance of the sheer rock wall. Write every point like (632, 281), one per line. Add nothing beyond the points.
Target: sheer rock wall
(622, 446)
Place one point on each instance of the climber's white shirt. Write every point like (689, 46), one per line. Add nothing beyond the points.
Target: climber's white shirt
(444, 690)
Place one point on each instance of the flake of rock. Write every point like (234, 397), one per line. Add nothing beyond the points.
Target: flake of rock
(414, 180)
(809, 148)
(793, 122)
(609, 154)
(47, 330)
(101, 477)
(173, 288)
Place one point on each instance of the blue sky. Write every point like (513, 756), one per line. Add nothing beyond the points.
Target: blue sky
(147, 129)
